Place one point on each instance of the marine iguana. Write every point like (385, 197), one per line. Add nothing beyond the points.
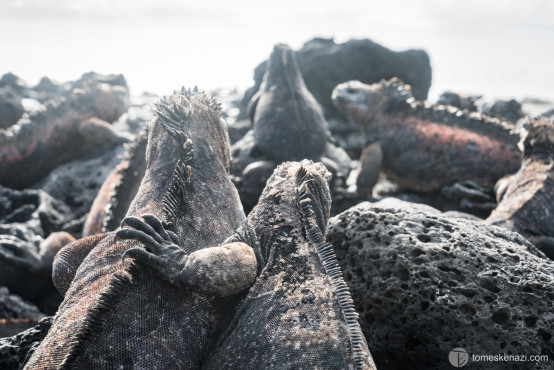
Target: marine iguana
(525, 200)
(118, 190)
(299, 313)
(65, 131)
(424, 147)
(288, 125)
(118, 313)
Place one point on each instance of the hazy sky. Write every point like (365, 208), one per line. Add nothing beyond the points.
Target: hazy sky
(498, 48)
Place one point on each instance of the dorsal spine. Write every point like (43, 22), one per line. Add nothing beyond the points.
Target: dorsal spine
(330, 264)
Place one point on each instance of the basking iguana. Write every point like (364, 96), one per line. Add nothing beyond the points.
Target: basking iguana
(118, 313)
(299, 313)
(424, 147)
(288, 125)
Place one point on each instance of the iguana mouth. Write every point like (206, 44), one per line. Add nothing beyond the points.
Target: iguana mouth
(351, 99)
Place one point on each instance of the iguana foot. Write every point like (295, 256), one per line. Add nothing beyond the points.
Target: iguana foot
(161, 252)
(220, 270)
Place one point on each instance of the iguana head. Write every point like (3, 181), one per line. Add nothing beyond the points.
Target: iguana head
(296, 197)
(363, 103)
(186, 115)
(288, 123)
(188, 146)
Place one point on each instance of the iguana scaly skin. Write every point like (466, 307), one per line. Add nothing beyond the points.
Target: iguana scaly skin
(118, 190)
(119, 313)
(299, 313)
(65, 131)
(424, 147)
(526, 199)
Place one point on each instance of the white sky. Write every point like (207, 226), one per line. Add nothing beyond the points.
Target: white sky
(498, 48)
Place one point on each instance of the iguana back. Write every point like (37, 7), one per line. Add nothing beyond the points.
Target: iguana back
(299, 313)
(118, 315)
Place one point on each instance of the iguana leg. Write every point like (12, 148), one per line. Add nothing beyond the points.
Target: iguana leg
(221, 271)
(368, 171)
(69, 258)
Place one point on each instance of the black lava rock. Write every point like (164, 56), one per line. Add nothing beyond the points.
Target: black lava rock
(424, 284)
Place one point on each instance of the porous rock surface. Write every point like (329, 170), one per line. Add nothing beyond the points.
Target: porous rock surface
(425, 284)
(30, 212)
(506, 109)
(27, 217)
(459, 101)
(15, 350)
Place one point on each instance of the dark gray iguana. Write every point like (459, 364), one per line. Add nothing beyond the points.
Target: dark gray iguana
(424, 147)
(299, 313)
(288, 125)
(118, 313)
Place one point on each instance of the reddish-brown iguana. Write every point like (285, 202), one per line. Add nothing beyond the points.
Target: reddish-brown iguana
(118, 190)
(424, 147)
